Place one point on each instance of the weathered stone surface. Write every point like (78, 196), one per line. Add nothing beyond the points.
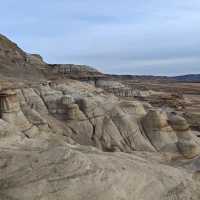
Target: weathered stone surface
(134, 108)
(64, 139)
(8, 101)
(10, 110)
(178, 123)
(159, 132)
(33, 116)
(52, 99)
(187, 143)
(193, 119)
(76, 173)
(108, 84)
(6, 129)
(73, 112)
(188, 148)
(67, 100)
(71, 68)
(9, 51)
(17, 119)
(33, 99)
(34, 59)
(45, 167)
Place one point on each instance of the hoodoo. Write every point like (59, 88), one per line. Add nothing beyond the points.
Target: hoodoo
(8, 101)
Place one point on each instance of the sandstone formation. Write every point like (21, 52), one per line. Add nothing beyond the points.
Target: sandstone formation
(10, 52)
(158, 130)
(93, 119)
(15, 65)
(193, 118)
(71, 68)
(187, 143)
(34, 59)
(66, 139)
(63, 171)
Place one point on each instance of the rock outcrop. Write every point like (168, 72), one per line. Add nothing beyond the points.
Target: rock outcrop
(62, 171)
(15, 63)
(170, 133)
(34, 59)
(193, 119)
(65, 139)
(10, 52)
(159, 132)
(99, 120)
(187, 143)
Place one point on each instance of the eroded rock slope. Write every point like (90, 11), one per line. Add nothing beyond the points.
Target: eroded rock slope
(65, 139)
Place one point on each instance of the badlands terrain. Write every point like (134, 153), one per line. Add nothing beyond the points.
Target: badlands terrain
(70, 132)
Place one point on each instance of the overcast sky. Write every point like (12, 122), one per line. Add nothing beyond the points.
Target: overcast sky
(117, 36)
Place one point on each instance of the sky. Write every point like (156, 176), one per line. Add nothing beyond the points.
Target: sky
(149, 37)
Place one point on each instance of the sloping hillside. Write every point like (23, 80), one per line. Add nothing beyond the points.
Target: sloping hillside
(15, 64)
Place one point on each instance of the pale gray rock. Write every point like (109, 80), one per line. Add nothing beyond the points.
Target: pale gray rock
(193, 119)
(8, 102)
(67, 100)
(178, 123)
(43, 124)
(6, 129)
(73, 112)
(17, 119)
(188, 143)
(52, 99)
(34, 100)
(159, 132)
(33, 116)
(60, 172)
(109, 84)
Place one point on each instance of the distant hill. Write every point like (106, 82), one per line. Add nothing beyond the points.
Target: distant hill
(188, 78)
(184, 78)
